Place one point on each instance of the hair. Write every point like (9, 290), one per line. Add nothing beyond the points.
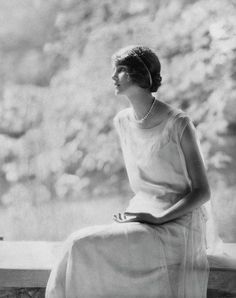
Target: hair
(143, 66)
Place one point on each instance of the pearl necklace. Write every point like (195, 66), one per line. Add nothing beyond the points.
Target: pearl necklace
(147, 114)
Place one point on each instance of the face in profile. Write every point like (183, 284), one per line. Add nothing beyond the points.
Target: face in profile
(142, 67)
(121, 79)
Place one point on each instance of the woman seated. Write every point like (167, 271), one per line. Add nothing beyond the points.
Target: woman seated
(156, 248)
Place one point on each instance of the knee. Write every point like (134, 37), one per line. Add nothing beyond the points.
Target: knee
(84, 236)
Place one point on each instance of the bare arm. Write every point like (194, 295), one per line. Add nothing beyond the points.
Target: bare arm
(200, 191)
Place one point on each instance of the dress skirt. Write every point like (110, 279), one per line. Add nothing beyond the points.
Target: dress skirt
(134, 260)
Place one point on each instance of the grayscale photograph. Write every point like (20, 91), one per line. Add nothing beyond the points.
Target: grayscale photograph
(117, 149)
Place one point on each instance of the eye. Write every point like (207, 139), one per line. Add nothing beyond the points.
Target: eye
(121, 68)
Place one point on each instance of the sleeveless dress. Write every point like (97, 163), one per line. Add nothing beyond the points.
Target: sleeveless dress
(135, 259)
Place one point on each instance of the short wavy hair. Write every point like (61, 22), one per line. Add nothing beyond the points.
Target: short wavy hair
(143, 66)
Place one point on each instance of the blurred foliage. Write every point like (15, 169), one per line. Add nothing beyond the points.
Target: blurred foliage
(57, 101)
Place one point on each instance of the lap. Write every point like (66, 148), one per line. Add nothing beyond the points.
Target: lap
(125, 239)
(129, 259)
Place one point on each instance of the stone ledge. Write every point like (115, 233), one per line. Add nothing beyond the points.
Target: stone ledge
(222, 277)
(26, 263)
(22, 293)
(25, 266)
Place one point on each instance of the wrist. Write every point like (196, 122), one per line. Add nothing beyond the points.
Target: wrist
(163, 217)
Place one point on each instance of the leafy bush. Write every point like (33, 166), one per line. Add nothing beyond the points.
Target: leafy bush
(59, 140)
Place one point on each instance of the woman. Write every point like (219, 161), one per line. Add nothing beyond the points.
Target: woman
(157, 247)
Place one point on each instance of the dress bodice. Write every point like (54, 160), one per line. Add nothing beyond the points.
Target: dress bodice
(154, 160)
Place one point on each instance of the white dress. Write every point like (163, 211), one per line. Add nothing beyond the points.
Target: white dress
(135, 259)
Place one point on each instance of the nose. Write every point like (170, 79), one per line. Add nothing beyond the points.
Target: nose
(114, 76)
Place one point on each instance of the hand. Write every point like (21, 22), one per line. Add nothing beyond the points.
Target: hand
(138, 217)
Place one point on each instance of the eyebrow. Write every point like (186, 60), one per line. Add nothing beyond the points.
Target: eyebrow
(120, 66)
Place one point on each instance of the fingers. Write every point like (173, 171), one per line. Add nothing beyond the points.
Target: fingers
(121, 217)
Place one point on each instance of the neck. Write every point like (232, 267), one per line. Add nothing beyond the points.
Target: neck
(141, 101)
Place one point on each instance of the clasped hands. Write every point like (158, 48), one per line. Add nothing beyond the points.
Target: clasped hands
(138, 217)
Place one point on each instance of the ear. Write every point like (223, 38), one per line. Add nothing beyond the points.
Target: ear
(128, 76)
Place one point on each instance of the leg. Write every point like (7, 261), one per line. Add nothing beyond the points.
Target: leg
(118, 260)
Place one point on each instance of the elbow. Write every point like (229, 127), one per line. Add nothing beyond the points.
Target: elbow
(205, 194)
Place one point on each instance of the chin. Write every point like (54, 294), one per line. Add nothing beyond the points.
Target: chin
(117, 92)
